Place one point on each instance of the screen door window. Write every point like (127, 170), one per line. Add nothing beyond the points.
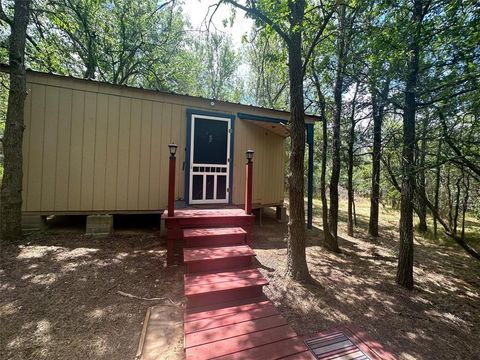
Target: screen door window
(209, 168)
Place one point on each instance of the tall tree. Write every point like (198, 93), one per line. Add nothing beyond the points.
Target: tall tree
(329, 241)
(378, 100)
(11, 190)
(338, 87)
(217, 67)
(421, 180)
(436, 197)
(268, 74)
(287, 19)
(118, 41)
(405, 261)
(350, 152)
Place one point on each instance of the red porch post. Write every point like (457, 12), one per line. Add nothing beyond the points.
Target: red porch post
(248, 182)
(171, 186)
(171, 201)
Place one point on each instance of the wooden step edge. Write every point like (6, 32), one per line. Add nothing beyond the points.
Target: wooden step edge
(240, 271)
(189, 233)
(226, 308)
(216, 322)
(187, 253)
(231, 331)
(206, 282)
(232, 286)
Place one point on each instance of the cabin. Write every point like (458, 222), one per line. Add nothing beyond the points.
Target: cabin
(96, 148)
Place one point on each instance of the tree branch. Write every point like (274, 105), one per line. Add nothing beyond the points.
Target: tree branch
(259, 15)
(4, 16)
(316, 40)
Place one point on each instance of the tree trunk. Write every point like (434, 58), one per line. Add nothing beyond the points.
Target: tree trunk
(457, 205)
(351, 142)
(337, 117)
(422, 207)
(296, 259)
(437, 187)
(449, 198)
(405, 261)
(378, 107)
(466, 185)
(323, 195)
(11, 191)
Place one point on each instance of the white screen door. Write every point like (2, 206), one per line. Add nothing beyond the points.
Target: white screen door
(209, 160)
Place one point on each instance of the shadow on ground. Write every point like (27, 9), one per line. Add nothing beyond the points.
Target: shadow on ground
(60, 291)
(437, 320)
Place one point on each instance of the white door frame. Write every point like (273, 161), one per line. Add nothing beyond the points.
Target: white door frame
(204, 200)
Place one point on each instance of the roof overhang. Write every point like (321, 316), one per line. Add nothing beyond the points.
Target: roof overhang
(275, 125)
(278, 126)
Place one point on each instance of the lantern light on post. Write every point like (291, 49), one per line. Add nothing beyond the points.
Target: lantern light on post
(171, 179)
(248, 182)
(249, 155)
(173, 149)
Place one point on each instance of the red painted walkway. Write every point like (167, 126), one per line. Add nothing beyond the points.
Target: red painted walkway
(228, 316)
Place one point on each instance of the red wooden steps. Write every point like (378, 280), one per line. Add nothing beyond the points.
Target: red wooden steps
(227, 314)
(217, 258)
(210, 288)
(210, 237)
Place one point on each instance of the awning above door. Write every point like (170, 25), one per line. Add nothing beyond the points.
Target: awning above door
(277, 126)
(279, 129)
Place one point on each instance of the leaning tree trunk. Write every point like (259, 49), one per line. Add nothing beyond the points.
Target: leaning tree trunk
(337, 116)
(11, 191)
(449, 230)
(296, 259)
(405, 260)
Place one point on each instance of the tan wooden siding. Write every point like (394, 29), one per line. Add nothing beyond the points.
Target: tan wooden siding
(90, 147)
(268, 163)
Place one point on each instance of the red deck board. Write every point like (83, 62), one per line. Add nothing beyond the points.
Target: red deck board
(230, 331)
(240, 343)
(232, 307)
(200, 254)
(228, 319)
(305, 355)
(191, 233)
(272, 351)
(223, 286)
(200, 213)
(218, 277)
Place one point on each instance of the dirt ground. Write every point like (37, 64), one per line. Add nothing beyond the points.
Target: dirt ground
(439, 319)
(59, 292)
